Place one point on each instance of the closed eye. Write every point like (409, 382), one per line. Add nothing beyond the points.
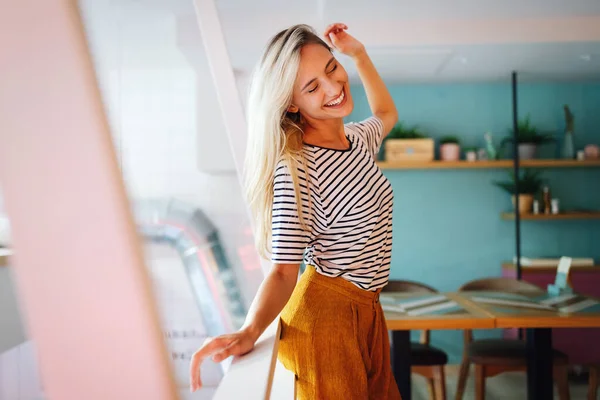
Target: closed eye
(316, 87)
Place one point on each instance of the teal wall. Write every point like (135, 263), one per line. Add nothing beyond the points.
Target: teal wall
(447, 226)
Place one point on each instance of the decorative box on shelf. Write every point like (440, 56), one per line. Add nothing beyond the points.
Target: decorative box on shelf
(409, 149)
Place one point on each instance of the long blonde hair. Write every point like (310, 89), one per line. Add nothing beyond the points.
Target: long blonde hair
(274, 134)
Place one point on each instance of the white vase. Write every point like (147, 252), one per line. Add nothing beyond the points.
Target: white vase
(527, 151)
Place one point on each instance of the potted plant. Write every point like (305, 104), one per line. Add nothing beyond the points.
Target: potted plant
(528, 139)
(405, 143)
(530, 184)
(471, 154)
(449, 148)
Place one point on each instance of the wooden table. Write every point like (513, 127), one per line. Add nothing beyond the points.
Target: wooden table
(483, 310)
(538, 313)
(407, 311)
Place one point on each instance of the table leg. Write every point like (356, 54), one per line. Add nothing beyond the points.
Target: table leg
(539, 364)
(401, 362)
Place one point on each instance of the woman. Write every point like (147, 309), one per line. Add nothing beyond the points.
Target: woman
(317, 195)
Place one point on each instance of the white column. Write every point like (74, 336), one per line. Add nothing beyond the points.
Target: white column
(223, 78)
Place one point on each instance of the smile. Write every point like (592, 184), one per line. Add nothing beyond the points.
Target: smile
(340, 100)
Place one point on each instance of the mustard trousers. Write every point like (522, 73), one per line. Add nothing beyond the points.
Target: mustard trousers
(335, 340)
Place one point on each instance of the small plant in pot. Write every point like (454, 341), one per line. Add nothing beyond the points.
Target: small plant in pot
(471, 154)
(401, 131)
(530, 183)
(449, 148)
(528, 139)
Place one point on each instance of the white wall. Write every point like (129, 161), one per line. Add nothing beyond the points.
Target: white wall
(166, 122)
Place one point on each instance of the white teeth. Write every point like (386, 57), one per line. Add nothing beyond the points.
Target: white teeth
(336, 101)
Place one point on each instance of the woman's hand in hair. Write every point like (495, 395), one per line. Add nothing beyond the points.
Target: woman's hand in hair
(337, 37)
(219, 349)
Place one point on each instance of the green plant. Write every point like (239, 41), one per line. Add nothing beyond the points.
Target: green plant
(449, 139)
(530, 182)
(528, 133)
(468, 149)
(401, 131)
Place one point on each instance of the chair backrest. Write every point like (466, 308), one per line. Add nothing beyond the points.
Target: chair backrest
(407, 286)
(502, 285)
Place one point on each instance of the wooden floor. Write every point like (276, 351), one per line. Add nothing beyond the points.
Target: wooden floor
(508, 386)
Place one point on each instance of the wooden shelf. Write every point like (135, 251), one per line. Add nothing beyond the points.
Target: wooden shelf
(443, 164)
(487, 164)
(550, 268)
(561, 216)
(559, 163)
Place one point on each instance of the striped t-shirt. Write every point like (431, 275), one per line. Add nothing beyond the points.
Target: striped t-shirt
(349, 226)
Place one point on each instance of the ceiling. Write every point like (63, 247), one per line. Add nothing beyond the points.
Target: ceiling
(425, 41)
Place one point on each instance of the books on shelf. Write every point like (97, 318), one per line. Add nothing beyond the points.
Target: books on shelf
(553, 262)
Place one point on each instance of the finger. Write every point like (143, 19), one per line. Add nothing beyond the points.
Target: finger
(327, 32)
(333, 38)
(333, 27)
(210, 347)
(337, 25)
(195, 380)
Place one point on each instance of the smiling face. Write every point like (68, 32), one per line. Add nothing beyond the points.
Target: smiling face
(321, 89)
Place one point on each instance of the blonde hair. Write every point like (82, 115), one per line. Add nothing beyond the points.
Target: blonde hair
(274, 134)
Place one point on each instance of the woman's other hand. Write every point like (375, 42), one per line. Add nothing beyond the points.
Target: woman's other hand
(337, 37)
(219, 348)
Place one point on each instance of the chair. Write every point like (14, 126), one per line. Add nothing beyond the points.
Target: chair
(593, 385)
(426, 360)
(495, 356)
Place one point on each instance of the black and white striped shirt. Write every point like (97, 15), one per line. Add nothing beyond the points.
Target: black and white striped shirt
(349, 217)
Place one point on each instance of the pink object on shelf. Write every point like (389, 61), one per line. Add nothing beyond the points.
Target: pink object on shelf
(592, 152)
(450, 152)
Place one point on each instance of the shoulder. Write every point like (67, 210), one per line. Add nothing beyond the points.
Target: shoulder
(368, 125)
(285, 170)
(282, 168)
(282, 175)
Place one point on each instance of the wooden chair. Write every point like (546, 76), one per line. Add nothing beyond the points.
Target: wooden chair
(593, 385)
(426, 360)
(495, 356)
